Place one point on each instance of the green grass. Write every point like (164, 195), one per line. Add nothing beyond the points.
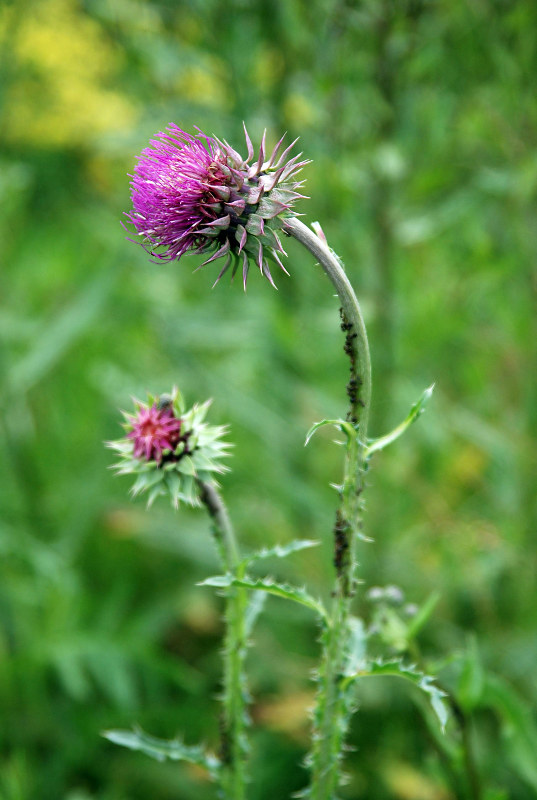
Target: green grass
(422, 126)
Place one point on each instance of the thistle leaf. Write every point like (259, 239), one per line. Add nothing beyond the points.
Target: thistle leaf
(416, 410)
(409, 673)
(341, 424)
(296, 593)
(162, 749)
(280, 551)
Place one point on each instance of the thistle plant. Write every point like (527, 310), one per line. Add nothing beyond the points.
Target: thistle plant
(196, 194)
(172, 451)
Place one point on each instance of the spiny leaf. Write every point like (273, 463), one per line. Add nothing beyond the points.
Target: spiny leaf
(410, 673)
(414, 413)
(341, 424)
(280, 551)
(296, 593)
(162, 749)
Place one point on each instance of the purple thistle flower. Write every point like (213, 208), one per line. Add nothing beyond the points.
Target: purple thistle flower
(195, 193)
(154, 430)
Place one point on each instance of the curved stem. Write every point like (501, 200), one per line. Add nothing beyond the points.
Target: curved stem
(334, 702)
(351, 313)
(233, 739)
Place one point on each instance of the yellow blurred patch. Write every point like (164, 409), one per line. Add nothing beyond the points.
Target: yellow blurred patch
(124, 523)
(201, 614)
(269, 67)
(408, 784)
(289, 714)
(467, 466)
(205, 83)
(298, 111)
(64, 67)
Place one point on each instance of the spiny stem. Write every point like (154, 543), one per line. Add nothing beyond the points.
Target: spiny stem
(233, 739)
(333, 702)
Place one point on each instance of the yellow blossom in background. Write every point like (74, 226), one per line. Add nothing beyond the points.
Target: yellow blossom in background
(298, 111)
(61, 90)
(205, 83)
(269, 67)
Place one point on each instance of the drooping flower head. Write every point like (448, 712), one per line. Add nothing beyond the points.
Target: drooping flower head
(197, 194)
(171, 450)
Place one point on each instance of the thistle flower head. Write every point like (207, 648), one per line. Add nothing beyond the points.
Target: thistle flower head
(169, 449)
(154, 430)
(197, 194)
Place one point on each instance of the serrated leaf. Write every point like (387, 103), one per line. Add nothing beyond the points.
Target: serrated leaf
(340, 424)
(284, 590)
(416, 410)
(280, 550)
(410, 673)
(162, 749)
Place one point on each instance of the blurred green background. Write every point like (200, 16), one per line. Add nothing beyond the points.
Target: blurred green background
(420, 117)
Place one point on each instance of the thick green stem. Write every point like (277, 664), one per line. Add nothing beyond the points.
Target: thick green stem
(333, 701)
(233, 737)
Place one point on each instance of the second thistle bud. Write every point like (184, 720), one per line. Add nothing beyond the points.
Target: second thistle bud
(171, 450)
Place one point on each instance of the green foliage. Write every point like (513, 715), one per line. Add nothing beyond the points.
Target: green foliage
(421, 120)
(414, 414)
(279, 551)
(162, 750)
(519, 731)
(296, 593)
(409, 673)
(345, 427)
